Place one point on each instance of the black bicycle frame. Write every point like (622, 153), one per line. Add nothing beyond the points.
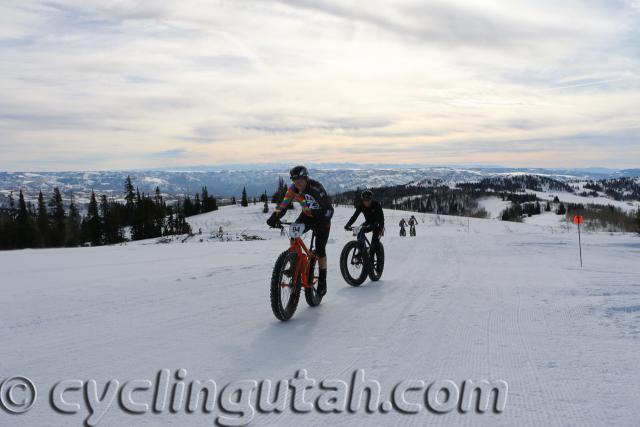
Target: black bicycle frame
(362, 238)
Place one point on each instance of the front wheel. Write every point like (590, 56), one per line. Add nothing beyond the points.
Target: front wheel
(311, 294)
(285, 289)
(352, 263)
(376, 260)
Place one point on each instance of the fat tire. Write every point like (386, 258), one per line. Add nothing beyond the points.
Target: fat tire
(284, 313)
(311, 294)
(344, 261)
(376, 274)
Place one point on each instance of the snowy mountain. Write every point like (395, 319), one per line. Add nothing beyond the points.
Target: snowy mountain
(229, 182)
(467, 299)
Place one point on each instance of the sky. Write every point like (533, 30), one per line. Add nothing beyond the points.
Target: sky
(103, 84)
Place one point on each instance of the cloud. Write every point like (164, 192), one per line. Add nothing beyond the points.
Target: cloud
(173, 153)
(293, 124)
(453, 23)
(138, 84)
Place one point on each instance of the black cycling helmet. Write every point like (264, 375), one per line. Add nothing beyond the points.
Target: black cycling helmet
(367, 195)
(298, 172)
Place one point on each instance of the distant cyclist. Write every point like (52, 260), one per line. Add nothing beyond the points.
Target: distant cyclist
(316, 215)
(403, 227)
(373, 216)
(412, 225)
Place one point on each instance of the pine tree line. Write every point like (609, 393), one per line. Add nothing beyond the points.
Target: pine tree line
(517, 211)
(203, 202)
(48, 224)
(618, 188)
(441, 199)
(52, 224)
(604, 217)
(518, 183)
(280, 192)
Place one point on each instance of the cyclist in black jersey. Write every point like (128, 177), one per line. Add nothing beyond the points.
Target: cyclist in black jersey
(373, 216)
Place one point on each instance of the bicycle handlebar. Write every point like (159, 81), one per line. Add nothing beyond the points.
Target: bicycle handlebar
(368, 227)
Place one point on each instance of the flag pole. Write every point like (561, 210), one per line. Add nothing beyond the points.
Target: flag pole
(580, 244)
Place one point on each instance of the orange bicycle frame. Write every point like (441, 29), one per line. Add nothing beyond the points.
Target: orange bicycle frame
(304, 257)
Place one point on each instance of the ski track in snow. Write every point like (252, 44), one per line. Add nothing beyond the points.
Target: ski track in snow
(463, 300)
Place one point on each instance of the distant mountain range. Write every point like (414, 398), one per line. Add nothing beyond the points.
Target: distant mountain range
(229, 181)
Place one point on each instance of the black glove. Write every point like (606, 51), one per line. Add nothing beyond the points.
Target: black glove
(348, 228)
(274, 220)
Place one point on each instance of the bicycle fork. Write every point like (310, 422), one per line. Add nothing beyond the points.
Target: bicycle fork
(301, 267)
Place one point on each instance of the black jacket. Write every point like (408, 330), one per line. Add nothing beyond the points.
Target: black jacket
(315, 201)
(373, 215)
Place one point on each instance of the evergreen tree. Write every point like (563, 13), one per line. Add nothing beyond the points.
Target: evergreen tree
(244, 202)
(638, 220)
(182, 226)
(130, 200)
(562, 210)
(58, 219)
(548, 207)
(265, 209)
(43, 222)
(158, 198)
(12, 206)
(280, 192)
(149, 225)
(188, 207)
(5, 226)
(24, 227)
(197, 205)
(8, 225)
(92, 224)
(160, 213)
(233, 200)
(111, 229)
(106, 221)
(73, 232)
(138, 219)
(512, 213)
(169, 228)
(209, 203)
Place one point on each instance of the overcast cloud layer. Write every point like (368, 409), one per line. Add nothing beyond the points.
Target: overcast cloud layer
(98, 84)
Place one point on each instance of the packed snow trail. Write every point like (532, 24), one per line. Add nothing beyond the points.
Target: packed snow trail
(462, 300)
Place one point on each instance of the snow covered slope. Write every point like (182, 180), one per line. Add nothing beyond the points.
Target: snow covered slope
(627, 206)
(463, 300)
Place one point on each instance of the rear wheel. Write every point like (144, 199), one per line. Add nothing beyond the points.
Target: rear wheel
(285, 289)
(352, 263)
(377, 262)
(311, 294)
